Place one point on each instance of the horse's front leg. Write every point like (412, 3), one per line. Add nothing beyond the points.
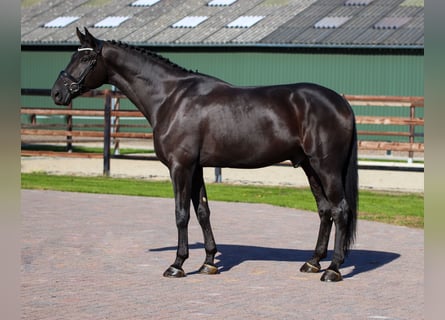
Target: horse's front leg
(182, 183)
(200, 203)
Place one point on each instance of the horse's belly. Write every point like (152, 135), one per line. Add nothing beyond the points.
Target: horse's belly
(245, 154)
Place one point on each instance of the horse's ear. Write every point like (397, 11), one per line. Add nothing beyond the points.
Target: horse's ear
(91, 41)
(80, 35)
(87, 33)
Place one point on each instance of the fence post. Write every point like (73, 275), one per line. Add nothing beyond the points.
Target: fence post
(107, 132)
(69, 124)
(218, 175)
(412, 131)
(115, 106)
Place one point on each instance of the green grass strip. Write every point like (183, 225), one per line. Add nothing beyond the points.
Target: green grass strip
(395, 208)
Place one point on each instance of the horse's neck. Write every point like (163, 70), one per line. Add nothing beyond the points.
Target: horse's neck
(141, 79)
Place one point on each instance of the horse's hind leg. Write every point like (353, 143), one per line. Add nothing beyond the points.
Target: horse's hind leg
(332, 186)
(339, 214)
(321, 248)
(200, 203)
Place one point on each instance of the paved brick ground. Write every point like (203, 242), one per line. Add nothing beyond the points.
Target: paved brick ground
(88, 256)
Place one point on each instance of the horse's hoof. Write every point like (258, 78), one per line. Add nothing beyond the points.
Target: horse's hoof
(174, 272)
(310, 268)
(208, 269)
(331, 276)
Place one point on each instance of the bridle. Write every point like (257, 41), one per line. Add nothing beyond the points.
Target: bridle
(76, 85)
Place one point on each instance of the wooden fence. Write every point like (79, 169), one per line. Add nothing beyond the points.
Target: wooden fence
(412, 121)
(82, 133)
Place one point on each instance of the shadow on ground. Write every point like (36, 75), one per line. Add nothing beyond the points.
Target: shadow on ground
(231, 255)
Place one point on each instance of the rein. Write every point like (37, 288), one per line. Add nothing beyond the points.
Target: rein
(76, 85)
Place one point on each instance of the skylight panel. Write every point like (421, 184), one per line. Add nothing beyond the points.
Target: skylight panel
(245, 21)
(60, 22)
(357, 2)
(111, 22)
(220, 3)
(190, 22)
(391, 22)
(331, 22)
(144, 3)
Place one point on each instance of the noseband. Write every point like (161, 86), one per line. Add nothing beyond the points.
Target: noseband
(76, 85)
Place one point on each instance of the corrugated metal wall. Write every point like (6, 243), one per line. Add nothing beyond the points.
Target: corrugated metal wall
(351, 74)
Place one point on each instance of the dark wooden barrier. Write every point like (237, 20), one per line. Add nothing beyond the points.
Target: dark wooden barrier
(109, 131)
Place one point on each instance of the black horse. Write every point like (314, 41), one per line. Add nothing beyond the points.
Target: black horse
(200, 121)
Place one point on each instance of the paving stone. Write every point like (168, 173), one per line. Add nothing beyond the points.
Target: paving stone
(92, 256)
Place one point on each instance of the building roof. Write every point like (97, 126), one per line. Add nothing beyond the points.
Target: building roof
(290, 23)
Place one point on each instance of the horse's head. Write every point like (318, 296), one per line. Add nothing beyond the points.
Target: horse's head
(85, 71)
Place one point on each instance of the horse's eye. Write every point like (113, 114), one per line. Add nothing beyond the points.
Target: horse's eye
(84, 59)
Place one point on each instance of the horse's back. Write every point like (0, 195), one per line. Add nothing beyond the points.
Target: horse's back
(259, 126)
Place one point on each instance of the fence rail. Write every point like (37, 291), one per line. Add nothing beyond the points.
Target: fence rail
(411, 121)
(112, 129)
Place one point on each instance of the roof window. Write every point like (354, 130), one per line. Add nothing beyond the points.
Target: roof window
(331, 22)
(220, 3)
(60, 22)
(357, 2)
(245, 21)
(144, 3)
(190, 22)
(111, 22)
(391, 22)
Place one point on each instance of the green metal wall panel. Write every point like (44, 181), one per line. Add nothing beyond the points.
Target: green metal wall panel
(351, 74)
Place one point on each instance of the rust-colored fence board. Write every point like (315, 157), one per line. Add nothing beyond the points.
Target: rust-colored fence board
(389, 120)
(61, 154)
(395, 146)
(392, 100)
(93, 134)
(85, 113)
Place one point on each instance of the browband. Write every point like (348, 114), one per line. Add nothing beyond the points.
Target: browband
(85, 49)
(97, 50)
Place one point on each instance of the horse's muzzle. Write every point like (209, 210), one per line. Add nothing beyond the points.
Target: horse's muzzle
(60, 95)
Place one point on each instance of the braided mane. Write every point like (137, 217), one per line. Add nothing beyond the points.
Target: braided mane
(149, 53)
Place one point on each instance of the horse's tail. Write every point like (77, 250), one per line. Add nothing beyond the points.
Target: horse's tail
(350, 178)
